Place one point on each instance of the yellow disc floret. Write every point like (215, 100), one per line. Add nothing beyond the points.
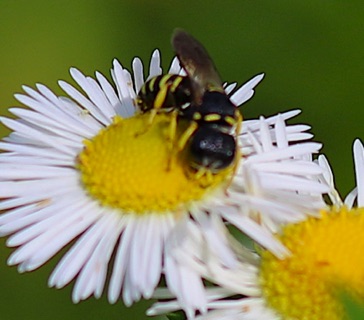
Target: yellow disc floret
(139, 173)
(326, 259)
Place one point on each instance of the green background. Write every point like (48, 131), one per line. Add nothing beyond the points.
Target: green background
(311, 51)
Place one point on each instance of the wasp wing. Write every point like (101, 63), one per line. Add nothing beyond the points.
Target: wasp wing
(196, 62)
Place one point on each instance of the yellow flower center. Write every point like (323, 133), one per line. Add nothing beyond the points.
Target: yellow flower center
(327, 259)
(128, 167)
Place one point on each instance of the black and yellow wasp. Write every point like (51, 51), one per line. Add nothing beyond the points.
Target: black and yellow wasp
(199, 98)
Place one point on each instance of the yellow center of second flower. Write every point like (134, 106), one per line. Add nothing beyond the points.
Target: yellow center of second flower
(126, 167)
(327, 259)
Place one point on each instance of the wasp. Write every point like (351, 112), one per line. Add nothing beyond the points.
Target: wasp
(198, 98)
(213, 117)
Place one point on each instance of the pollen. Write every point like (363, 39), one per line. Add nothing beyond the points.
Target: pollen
(135, 170)
(326, 261)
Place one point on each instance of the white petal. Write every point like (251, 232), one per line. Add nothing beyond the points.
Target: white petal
(120, 265)
(245, 92)
(138, 74)
(155, 68)
(359, 170)
(175, 67)
(122, 80)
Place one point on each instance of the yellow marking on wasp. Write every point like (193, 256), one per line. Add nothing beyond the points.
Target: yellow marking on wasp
(230, 120)
(164, 80)
(212, 88)
(175, 84)
(151, 84)
(212, 117)
(197, 116)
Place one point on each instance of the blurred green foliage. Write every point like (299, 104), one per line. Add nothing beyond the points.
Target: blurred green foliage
(353, 309)
(311, 51)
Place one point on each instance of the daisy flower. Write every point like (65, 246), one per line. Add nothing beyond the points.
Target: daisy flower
(325, 263)
(75, 169)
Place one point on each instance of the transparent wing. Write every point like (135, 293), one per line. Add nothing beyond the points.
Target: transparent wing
(196, 62)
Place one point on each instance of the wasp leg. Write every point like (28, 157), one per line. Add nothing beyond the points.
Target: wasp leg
(172, 129)
(199, 173)
(208, 178)
(186, 135)
(171, 138)
(173, 147)
(203, 173)
(152, 114)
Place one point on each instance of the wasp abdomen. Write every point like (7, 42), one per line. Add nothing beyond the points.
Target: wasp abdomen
(211, 149)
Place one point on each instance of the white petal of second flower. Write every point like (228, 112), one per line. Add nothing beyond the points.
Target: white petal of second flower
(359, 170)
(245, 92)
